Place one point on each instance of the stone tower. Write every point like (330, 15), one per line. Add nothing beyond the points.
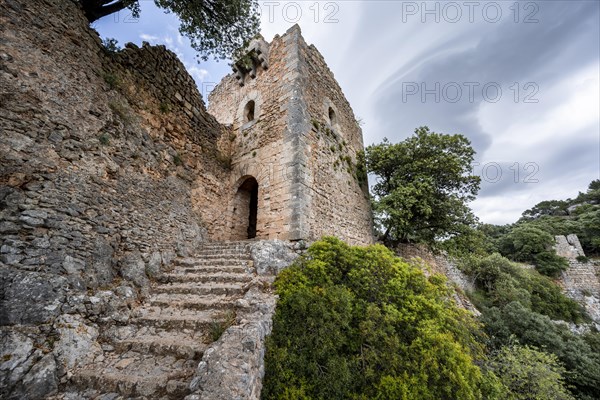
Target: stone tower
(295, 146)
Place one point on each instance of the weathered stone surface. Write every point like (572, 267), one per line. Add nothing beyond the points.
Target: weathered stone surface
(77, 341)
(154, 264)
(29, 297)
(133, 269)
(581, 280)
(568, 246)
(41, 380)
(16, 350)
(271, 256)
(233, 367)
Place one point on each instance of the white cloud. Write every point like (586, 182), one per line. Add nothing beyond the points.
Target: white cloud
(199, 74)
(149, 38)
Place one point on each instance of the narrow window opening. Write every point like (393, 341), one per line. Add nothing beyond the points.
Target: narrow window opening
(249, 111)
(332, 117)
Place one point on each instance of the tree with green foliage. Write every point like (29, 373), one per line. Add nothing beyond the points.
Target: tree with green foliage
(530, 374)
(527, 243)
(548, 207)
(423, 186)
(360, 323)
(214, 27)
(580, 216)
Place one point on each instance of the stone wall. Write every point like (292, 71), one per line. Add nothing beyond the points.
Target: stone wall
(338, 198)
(305, 165)
(581, 280)
(109, 169)
(262, 148)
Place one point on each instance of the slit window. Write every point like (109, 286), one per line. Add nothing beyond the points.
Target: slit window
(249, 111)
(332, 117)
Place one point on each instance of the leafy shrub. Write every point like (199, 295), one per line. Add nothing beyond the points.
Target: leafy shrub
(104, 139)
(360, 323)
(112, 80)
(111, 45)
(529, 243)
(164, 107)
(177, 160)
(550, 264)
(218, 327)
(502, 282)
(579, 355)
(582, 259)
(530, 374)
(524, 242)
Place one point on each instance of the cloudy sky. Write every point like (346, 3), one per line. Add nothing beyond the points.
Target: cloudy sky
(520, 79)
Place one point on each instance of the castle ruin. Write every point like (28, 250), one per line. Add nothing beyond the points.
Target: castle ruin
(123, 203)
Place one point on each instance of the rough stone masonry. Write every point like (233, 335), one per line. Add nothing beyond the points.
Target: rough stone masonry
(112, 171)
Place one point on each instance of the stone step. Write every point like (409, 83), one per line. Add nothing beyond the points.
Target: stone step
(135, 374)
(220, 277)
(176, 318)
(225, 250)
(208, 268)
(201, 288)
(230, 242)
(175, 346)
(226, 246)
(194, 302)
(214, 262)
(209, 255)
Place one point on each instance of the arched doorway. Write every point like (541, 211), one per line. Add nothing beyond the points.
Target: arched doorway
(245, 209)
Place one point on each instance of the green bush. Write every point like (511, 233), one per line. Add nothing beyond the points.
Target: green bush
(550, 264)
(530, 374)
(104, 139)
(582, 259)
(524, 242)
(112, 80)
(502, 282)
(360, 323)
(165, 107)
(529, 243)
(177, 159)
(578, 354)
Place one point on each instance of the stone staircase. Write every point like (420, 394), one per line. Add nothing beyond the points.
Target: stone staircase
(156, 354)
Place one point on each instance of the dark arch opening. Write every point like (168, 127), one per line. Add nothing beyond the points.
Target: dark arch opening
(249, 191)
(332, 117)
(249, 111)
